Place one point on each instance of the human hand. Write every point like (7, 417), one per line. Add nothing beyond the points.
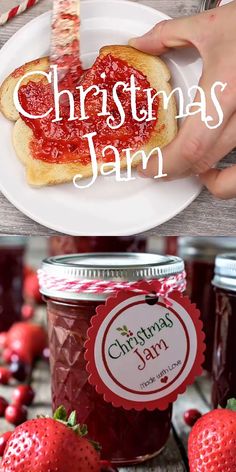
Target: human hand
(196, 149)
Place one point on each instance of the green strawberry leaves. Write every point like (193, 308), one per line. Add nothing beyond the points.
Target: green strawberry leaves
(82, 430)
(72, 419)
(71, 422)
(60, 414)
(96, 445)
(231, 404)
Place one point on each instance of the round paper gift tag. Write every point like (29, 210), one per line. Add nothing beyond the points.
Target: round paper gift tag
(143, 349)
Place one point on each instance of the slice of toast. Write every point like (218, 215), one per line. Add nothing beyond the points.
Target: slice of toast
(40, 173)
(7, 88)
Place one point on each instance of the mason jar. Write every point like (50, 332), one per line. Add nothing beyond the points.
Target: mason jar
(12, 250)
(224, 365)
(126, 436)
(199, 255)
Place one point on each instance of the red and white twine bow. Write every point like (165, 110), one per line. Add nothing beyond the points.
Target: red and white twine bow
(19, 8)
(162, 286)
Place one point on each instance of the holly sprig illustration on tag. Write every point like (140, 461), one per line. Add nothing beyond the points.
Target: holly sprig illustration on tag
(125, 331)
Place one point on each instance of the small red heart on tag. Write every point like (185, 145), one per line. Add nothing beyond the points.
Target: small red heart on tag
(164, 379)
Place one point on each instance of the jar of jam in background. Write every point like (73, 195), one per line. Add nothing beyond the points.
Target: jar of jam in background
(171, 245)
(126, 436)
(224, 358)
(199, 255)
(59, 245)
(12, 250)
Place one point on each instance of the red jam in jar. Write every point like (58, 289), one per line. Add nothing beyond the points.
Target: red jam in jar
(224, 365)
(11, 280)
(126, 436)
(59, 245)
(199, 257)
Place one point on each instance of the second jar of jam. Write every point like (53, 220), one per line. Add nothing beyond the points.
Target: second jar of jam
(199, 257)
(126, 436)
(224, 365)
(59, 245)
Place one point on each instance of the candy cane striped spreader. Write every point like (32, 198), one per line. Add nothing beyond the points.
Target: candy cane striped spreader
(20, 8)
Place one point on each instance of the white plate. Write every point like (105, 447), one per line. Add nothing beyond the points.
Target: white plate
(108, 207)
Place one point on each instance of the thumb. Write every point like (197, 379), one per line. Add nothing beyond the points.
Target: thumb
(165, 35)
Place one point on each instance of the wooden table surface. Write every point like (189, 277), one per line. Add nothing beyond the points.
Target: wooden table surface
(200, 218)
(172, 459)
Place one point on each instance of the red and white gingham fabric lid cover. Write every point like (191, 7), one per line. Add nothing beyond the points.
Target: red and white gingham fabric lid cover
(97, 275)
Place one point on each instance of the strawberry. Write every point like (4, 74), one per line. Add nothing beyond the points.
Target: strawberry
(27, 340)
(31, 288)
(212, 441)
(3, 337)
(49, 445)
(27, 270)
(4, 438)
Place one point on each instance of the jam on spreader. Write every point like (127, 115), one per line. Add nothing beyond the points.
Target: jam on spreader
(126, 436)
(62, 141)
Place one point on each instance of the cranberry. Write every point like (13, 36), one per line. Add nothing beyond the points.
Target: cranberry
(4, 438)
(27, 312)
(191, 416)
(46, 354)
(31, 288)
(16, 414)
(23, 395)
(5, 375)
(3, 406)
(19, 370)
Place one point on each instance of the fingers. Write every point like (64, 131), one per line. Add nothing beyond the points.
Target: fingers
(166, 34)
(227, 141)
(185, 32)
(221, 183)
(191, 151)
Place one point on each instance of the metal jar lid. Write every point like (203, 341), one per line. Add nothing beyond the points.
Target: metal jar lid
(205, 249)
(209, 4)
(225, 271)
(109, 267)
